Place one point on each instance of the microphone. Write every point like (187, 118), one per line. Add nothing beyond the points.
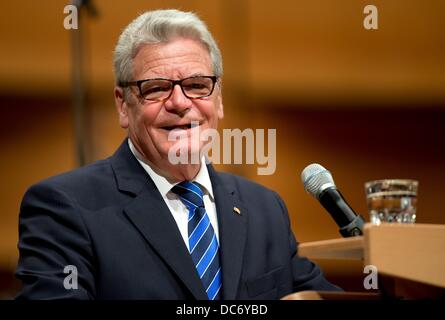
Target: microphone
(319, 183)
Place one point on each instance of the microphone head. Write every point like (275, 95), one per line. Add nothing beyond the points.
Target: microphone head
(316, 179)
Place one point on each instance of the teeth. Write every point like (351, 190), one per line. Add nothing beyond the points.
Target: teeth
(194, 124)
(185, 127)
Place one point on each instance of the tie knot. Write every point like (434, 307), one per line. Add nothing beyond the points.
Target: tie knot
(190, 194)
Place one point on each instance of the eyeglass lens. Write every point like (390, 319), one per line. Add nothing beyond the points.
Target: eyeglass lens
(194, 87)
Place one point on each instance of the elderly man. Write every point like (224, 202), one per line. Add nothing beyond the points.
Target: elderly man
(137, 225)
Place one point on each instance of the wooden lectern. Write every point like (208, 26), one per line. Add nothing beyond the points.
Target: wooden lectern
(410, 260)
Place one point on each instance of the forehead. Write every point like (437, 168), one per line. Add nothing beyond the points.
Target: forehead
(176, 59)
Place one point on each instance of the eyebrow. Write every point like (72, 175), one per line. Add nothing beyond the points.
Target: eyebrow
(195, 75)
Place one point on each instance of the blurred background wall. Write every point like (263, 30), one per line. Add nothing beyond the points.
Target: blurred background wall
(365, 104)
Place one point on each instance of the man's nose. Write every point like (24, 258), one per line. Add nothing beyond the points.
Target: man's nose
(177, 102)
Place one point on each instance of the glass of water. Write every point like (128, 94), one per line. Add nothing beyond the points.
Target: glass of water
(392, 200)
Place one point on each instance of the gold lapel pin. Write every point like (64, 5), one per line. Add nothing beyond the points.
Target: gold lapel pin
(238, 211)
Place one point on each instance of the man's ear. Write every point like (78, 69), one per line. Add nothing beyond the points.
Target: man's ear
(121, 106)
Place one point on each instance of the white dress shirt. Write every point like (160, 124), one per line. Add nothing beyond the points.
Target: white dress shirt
(178, 210)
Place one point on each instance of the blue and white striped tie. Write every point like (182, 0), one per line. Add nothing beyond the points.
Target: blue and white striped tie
(203, 244)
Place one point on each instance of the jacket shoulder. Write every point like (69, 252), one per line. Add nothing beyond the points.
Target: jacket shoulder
(87, 186)
(81, 177)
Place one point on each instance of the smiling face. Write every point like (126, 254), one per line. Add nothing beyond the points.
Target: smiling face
(149, 123)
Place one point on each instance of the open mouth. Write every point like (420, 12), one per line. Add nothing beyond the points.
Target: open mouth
(191, 125)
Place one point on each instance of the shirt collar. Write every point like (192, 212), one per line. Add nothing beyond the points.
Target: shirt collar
(164, 186)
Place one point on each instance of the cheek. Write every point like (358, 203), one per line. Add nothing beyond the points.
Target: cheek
(212, 113)
(145, 119)
(149, 131)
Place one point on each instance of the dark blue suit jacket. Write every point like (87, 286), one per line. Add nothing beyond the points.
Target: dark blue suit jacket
(110, 222)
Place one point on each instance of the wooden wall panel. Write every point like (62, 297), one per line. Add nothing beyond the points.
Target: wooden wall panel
(318, 51)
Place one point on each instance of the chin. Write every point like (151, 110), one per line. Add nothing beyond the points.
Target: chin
(185, 151)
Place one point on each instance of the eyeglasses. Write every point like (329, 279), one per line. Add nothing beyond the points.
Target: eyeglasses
(161, 89)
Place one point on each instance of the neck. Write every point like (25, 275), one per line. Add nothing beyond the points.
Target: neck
(172, 172)
(183, 172)
(175, 173)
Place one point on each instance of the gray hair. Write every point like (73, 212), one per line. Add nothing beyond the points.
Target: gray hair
(159, 26)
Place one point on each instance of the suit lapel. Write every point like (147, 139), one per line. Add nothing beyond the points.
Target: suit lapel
(232, 232)
(151, 216)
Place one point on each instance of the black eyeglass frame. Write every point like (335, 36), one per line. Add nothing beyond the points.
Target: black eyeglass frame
(139, 83)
